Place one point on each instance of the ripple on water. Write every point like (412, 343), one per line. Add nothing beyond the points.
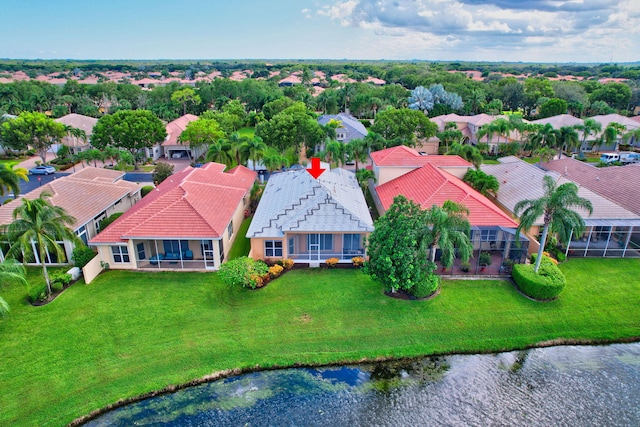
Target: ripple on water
(557, 386)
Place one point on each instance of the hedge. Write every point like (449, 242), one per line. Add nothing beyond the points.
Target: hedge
(545, 285)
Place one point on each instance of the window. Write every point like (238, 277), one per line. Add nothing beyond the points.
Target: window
(96, 221)
(175, 246)
(324, 240)
(82, 234)
(292, 246)
(120, 253)
(140, 249)
(221, 249)
(230, 229)
(351, 244)
(490, 235)
(273, 248)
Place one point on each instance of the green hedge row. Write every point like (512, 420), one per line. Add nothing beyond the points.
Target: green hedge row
(545, 285)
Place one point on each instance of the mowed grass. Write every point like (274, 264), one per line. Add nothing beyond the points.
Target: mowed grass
(241, 245)
(128, 333)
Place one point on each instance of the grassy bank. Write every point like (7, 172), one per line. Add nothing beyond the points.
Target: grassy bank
(128, 333)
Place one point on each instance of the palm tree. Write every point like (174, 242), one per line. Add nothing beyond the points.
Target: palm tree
(567, 139)
(10, 179)
(237, 146)
(334, 152)
(485, 184)
(544, 136)
(255, 149)
(357, 151)
(555, 206)
(450, 134)
(219, 152)
(631, 136)
(40, 225)
(363, 176)
(588, 128)
(75, 133)
(468, 152)
(274, 160)
(448, 228)
(11, 271)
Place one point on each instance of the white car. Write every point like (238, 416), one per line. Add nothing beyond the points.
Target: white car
(178, 155)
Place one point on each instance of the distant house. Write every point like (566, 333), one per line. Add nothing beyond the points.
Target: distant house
(432, 180)
(471, 125)
(81, 122)
(89, 195)
(350, 128)
(310, 220)
(172, 147)
(189, 222)
(612, 230)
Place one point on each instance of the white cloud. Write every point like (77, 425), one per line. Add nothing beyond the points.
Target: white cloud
(549, 30)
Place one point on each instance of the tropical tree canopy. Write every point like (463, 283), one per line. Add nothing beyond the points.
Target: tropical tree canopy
(36, 229)
(446, 227)
(555, 208)
(10, 179)
(34, 130)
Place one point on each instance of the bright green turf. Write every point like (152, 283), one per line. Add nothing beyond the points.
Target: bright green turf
(128, 333)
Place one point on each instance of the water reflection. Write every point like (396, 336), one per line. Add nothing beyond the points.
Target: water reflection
(574, 385)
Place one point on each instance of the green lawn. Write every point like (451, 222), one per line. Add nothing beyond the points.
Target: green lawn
(128, 333)
(241, 245)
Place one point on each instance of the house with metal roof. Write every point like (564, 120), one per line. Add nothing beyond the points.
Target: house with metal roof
(310, 220)
(89, 195)
(432, 180)
(612, 230)
(189, 222)
(350, 128)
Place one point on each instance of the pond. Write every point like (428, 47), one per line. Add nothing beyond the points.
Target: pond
(565, 385)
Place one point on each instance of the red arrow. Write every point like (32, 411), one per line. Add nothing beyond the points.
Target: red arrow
(315, 170)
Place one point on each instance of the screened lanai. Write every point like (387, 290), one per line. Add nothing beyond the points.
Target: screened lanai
(607, 238)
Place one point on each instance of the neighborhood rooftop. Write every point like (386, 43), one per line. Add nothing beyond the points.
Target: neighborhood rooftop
(295, 201)
(83, 194)
(403, 156)
(193, 203)
(430, 186)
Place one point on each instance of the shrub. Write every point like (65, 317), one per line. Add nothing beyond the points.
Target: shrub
(56, 286)
(161, 172)
(560, 256)
(485, 258)
(146, 190)
(545, 285)
(60, 277)
(426, 287)
(331, 262)
(107, 221)
(357, 261)
(243, 271)
(81, 255)
(275, 271)
(37, 293)
(286, 263)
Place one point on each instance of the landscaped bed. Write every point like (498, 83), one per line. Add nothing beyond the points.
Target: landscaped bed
(129, 333)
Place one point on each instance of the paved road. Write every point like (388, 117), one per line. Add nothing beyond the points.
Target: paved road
(35, 181)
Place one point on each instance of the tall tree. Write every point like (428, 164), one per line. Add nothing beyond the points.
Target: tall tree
(468, 152)
(201, 133)
(446, 227)
(482, 182)
(589, 127)
(184, 97)
(363, 176)
(556, 209)
(37, 223)
(132, 130)
(10, 179)
(404, 123)
(356, 151)
(219, 152)
(568, 138)
(32, 129)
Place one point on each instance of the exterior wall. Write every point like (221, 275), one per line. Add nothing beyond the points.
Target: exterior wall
(457, 171)
(154, 152)
(92, 269)
(388, 173)
(301, 246)
(428, 147)
(105, 255)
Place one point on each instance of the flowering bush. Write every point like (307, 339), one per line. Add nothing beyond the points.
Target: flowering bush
(331, 262)
(286, 263)
(244, 272)
(357, 261)
(275, 271)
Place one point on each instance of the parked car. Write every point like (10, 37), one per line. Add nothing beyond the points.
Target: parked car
(628, 158)
(179, 154)
(609, 158)
(42, 170)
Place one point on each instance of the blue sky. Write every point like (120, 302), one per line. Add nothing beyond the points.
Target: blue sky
(478, 30)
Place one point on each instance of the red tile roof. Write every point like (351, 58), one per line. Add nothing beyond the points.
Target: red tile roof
(176, 127)
(616, 183)
(193, 203)
(430, 186)
(405, 156)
